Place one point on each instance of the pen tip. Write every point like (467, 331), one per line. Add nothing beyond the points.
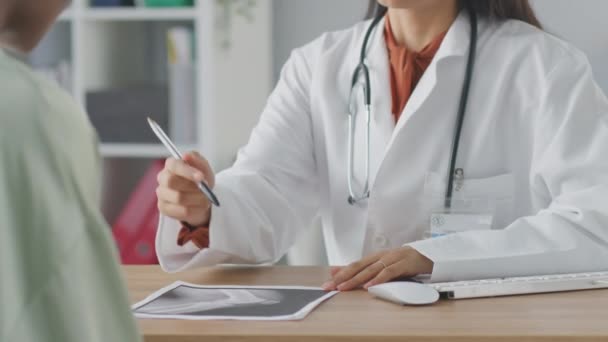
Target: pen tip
(150, 120)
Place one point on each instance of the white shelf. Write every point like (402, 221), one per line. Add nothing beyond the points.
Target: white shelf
(139, 14)
(139, 150)
(111, 48)
(67, 15)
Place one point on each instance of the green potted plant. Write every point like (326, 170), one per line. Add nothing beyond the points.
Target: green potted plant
(229, 9)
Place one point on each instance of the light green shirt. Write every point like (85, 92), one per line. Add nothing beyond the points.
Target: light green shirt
(59, 275)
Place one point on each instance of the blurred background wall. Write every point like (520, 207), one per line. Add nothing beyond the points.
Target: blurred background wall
(297, 22)
(582, 23)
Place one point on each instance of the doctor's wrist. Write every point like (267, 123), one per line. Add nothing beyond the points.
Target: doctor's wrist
(198, 234)
(199, 218)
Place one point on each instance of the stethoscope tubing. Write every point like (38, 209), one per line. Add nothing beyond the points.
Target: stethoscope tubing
(462, 108)
(366, 89)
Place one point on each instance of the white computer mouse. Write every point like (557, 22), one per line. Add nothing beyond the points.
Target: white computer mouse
(405, 293)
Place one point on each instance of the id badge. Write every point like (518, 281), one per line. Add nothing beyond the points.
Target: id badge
(444, 223)
(467, 212)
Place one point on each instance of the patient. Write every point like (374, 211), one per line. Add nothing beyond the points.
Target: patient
(59, 279)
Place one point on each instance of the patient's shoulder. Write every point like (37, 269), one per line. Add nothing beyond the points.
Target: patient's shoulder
(36, 109)
(20, 95)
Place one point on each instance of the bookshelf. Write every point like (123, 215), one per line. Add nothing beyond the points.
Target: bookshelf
(137, 13)
(117, 150)
(112, 47)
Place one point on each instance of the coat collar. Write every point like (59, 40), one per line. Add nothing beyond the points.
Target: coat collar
(458, 38)
(455, 43)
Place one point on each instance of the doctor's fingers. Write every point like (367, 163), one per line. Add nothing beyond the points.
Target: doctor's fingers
(173, 181)
(399, 269)
(362, 277)
(348, 272)
(182, 213)
(384, 262)
(197, 161)
(184, 198)
(182, 169)
(333, 270)
(408, 262)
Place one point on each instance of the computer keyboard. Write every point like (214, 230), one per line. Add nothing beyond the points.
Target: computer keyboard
(522, 285)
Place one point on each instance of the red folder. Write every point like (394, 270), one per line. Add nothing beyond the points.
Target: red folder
(135, 228)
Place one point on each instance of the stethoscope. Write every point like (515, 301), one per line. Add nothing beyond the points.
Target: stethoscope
(365, 88)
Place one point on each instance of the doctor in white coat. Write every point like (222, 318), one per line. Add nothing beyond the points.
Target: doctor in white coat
(531, 183)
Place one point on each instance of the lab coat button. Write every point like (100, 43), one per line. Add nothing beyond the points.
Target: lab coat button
(380, 240)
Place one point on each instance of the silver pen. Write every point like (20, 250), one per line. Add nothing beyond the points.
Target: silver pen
(177, 155)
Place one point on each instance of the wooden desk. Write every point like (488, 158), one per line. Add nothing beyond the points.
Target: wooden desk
(356, 316)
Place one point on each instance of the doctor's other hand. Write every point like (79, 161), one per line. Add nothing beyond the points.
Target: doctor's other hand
(178, 194)
(379, 268)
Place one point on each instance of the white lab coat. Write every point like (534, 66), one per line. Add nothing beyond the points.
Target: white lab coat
(535, 139)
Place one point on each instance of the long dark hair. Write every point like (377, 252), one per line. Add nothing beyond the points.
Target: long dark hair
(493, 9)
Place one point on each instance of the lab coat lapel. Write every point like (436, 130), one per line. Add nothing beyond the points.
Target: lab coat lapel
(455, 44)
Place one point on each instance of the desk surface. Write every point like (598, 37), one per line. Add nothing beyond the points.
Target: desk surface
(356, 316)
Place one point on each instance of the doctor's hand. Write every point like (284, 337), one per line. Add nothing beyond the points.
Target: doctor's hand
(379, 268)
(178, 195)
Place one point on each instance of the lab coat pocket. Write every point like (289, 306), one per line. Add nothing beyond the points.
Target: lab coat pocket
(498, 191)
(476, 204)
